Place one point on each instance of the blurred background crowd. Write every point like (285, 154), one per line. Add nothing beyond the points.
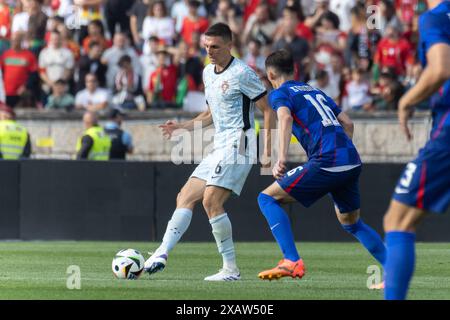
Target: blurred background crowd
(141, 55)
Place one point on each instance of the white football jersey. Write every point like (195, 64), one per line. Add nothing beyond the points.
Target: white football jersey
(231, 95)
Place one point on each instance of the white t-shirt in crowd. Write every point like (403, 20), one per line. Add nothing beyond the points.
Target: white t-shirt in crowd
(358, 94)
(85, 97)
(55, 61)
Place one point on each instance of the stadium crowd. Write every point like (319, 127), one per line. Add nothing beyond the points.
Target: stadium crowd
(147, 54)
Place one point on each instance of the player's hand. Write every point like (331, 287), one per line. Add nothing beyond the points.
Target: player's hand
(279, 169)
(168, 128)
(404, 114)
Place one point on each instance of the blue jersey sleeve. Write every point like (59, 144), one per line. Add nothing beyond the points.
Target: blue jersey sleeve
(433, 28)
(279, 99)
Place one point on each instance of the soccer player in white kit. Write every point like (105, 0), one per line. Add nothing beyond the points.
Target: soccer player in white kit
(232, 90)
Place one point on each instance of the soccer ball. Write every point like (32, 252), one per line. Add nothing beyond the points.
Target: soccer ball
(128, 264)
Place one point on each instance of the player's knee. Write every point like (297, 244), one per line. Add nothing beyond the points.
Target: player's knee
(211, 207)
(184, 199)
(265, 200)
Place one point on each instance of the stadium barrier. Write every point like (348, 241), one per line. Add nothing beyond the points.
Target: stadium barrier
(132, 201)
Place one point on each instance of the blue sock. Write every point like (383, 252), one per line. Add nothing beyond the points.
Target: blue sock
(399, 266)
(279, 225)
(369, 238)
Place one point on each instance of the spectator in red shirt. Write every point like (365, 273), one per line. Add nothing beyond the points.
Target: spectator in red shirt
(5, 25)
(163, 82)
(393, 52)
(20, 72)
(193, 22)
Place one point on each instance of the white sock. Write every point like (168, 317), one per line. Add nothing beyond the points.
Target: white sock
(221, 229)
(176, 227)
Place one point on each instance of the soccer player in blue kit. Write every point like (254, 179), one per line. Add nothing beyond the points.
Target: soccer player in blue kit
(333, 165)
(425, 183)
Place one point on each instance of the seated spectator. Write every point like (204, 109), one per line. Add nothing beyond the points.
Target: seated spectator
(180, 11)
(322, 82)
(86, 11)
(163, 82)
(20, 73)
(127, 87)
(190, 73)
(226, 13)
(55, 62)
(91, 63)
(290, 41)
(96, 33)
(92, 98)
(33, 23)
(68, 41)
(358, 92)
(254, 58)
(260, 26)
(60, 99)
(193, 22)
(111, 57)
(389, 97)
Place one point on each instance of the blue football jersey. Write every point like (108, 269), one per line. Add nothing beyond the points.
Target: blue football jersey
(434, 27)
(315, 124)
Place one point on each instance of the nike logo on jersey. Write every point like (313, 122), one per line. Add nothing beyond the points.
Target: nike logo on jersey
(401, 190)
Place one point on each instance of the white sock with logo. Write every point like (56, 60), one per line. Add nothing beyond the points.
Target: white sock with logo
(176, 227)
(222, 231)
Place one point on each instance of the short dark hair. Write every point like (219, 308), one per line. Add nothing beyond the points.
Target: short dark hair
(282, 61)
(220, 30)
(61, 82)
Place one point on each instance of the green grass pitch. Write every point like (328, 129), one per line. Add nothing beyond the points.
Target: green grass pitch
(37, 270)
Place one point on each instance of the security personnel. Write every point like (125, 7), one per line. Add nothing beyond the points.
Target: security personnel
(122, 142)
(95, 144)
(15, 141)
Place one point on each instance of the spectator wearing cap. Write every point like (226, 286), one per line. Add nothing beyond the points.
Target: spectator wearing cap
(94, 144)
(20, 71)
(163, 82)
(93, 98)
(193, 22)
(15, 142)
(60, 99)
(121, 141)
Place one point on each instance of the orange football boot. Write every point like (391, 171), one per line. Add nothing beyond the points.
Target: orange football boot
(285, 268)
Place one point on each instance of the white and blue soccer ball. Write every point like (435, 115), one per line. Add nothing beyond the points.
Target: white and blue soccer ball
(128, 264)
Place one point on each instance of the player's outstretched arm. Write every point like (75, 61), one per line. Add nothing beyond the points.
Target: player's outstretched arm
(284, 134)
(269, 124)
(205, 118)
(432, 78)
(346, 123)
